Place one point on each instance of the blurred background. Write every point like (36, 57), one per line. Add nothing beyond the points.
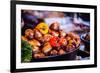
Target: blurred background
(69, 21)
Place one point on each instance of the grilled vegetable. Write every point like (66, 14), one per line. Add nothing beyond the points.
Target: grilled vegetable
(43, 28)
(54, 42)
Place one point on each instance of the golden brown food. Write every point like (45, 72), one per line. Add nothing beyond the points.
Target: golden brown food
(73, 39)
(35, 49)
(34, 42)
(39, 55)
(70, 47)
(42, 27)
(55, 26)
(73, 35)
(53, 52)
(47, 37)
(50, 41)
(62, 41)
(37, 34)
(29, 33)
(62, 33)
(87, 37)
(68, 38)
(47, 47)
(61, 51)
(24, 38)
(54, 33)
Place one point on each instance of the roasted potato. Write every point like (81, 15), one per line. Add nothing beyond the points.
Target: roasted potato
(34, 42)
(61, 51)
(35, 49)
(54, 33)
(37, 34)
(39, 55)
(29, 33)
(55, 26)
(24, 38)
(47, 47)
(62, 33)
(53, 52)
(47, 37)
